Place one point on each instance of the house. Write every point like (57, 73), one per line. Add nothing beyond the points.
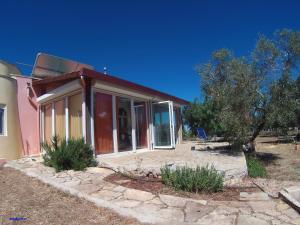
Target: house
(112, 114)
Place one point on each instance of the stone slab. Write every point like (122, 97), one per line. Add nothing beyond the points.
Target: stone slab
(138, 195)
(250, 220)
(254, 196)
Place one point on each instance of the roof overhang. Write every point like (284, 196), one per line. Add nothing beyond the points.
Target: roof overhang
(60, 91)
(114, 81)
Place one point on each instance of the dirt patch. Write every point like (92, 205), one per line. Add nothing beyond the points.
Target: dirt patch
(156, 186)
(282, 161)
(38, 203)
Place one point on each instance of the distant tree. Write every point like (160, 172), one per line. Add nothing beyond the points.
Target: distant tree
(283, 104)
(246, 90)
(201, 115)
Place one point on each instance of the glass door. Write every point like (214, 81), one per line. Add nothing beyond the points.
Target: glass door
(163, 125)
(140, 124)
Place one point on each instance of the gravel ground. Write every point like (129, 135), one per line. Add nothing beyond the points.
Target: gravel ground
(25, 197)
(282, 160)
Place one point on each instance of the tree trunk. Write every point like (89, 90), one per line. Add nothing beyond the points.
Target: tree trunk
(250, 147)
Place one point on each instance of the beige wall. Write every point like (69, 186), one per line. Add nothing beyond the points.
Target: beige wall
(10, 143)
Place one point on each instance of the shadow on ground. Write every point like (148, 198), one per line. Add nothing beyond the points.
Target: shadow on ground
(268, 158)
(225, 150)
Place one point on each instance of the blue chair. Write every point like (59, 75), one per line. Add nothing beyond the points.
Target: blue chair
(201, 133)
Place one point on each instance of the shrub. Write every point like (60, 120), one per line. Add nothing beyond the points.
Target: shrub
(255, 167)
(64, 155)
(193, 180)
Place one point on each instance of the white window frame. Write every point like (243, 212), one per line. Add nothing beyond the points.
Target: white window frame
(171, 121)
(4, 107)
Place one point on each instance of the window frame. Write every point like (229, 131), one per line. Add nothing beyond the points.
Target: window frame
(4, 118)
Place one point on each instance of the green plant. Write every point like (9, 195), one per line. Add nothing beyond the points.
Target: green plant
(255, 167)
(193, 180)
(64, 155)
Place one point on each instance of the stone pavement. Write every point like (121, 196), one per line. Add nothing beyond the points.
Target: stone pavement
(257, 208)
(144, 162)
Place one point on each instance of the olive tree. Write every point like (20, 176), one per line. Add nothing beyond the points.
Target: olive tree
(244, 88)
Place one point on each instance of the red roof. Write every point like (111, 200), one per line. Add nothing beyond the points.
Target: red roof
(111, 80)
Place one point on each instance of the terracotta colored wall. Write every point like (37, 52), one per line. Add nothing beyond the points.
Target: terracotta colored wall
(29, 117)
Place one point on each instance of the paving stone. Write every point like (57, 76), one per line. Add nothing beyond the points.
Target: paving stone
(284, 218)
(254, 196)
(72, 183)
(173, 201)
(122, 181)
(107, 194)
(250, 220)
(296, 221)
(263, 216)
(108, 186)
(97, 170)
(98, 181)
(194, 211)
(88, 188)
(217, 220)
(174, 215)
(276, 222)
(119, 189)
(225, 210)
(155, 200)
(262, 206)
(245, 210)
(138, 195)
(127, 203)
(282, 206)
(150, 213)
(291, 213)
(162, 209)
(60, 180)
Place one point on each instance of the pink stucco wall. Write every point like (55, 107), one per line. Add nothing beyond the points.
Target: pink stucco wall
(29, 117)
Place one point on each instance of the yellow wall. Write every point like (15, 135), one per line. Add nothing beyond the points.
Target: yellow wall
(10, 144)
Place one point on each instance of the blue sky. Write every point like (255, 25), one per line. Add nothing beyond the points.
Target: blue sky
(155, 43)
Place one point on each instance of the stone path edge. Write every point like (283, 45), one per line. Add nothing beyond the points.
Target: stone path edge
(98, 202)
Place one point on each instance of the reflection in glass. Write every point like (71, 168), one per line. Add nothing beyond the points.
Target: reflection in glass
(141, 124)
(124, 124)
(1, 121)
(161, 123)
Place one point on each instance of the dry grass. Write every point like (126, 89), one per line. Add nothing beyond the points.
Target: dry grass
(282, 160)
(22, 196)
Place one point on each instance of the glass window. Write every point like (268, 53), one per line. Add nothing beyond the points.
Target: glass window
(48, 122)
(1, 120)
(124, 124)
(75, 116)
(141, 124)
(60, 124)
(161, 123)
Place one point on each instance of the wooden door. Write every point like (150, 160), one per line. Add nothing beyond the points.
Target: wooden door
(103, 124)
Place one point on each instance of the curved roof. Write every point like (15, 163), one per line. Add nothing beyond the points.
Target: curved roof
(6, 69)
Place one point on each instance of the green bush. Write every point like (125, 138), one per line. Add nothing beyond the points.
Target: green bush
(193, 180)
(255, 167)
(65, 155)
